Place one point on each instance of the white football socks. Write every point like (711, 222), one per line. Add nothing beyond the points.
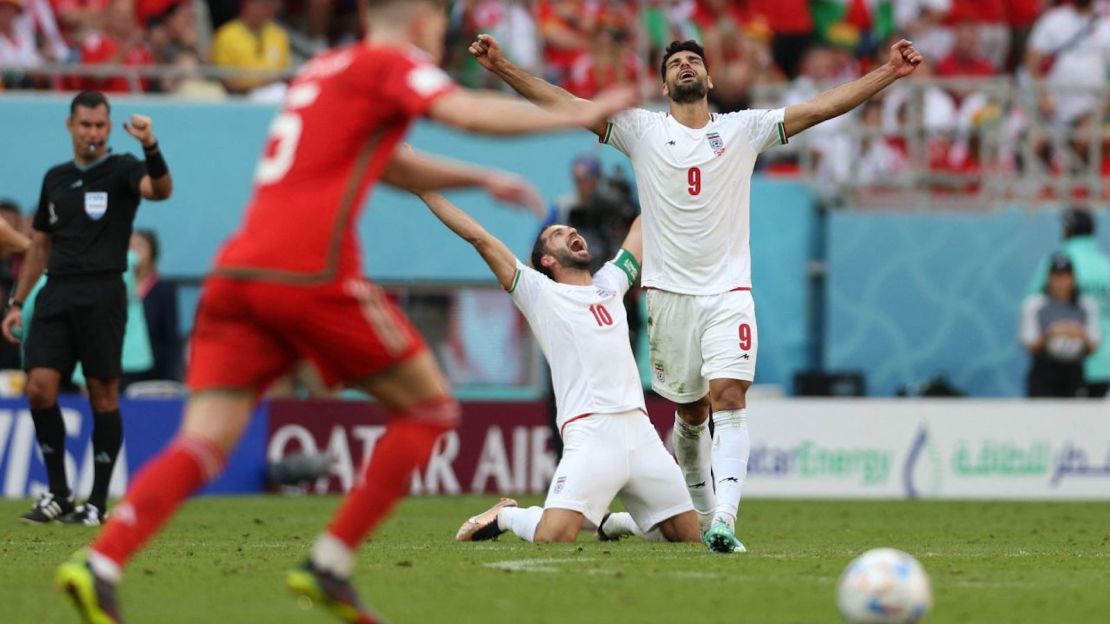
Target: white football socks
(620, 523)
(521, 521)
(731, 448)
(331, 555)
(104, 567)
(693, 450)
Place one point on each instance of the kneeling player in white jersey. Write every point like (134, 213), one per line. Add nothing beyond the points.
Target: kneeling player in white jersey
(693, 171)
(610, 448)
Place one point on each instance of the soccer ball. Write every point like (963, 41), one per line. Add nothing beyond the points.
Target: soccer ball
(884, 586)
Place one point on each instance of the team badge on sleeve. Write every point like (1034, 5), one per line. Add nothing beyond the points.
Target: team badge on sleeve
(716, 142)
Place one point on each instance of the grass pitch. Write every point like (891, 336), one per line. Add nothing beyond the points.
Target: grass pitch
(222, 559)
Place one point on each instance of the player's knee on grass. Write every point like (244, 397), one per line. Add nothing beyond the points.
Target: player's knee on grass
(695, 413)
(729, 394)
(558, 525)
(681, 528)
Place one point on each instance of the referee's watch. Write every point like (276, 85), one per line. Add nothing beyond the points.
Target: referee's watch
(14, 303)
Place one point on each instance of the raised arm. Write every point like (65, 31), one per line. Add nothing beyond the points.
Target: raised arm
(417, 173)
(488, 112)
(904, 59)
(537, 90)
(158, 183)
(634, 242)
(500, 260)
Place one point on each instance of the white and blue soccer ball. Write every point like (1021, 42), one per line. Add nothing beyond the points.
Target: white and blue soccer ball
(884, 586)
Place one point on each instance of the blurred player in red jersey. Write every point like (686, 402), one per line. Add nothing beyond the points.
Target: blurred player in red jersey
(343, 117)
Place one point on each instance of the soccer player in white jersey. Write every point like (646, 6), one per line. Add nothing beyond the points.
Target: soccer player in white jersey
(610, 448)
(693, 171)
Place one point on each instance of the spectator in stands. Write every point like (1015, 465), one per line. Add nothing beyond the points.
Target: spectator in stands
(173, 32)
(879, 162)
(993, 33)
(1092, 274)
(1069, 49)
(1020, 17)
(253, 41)
(564, 27)
(864, 24)
(159, 301)
(729, 55)
(513, 24)
(18, 49)
(78, 19)
(188, 82)
(121, 42)
(965, 60)
(791, 21)
(924, 22)
(1060, 328)
(830, 143)
(609, 62)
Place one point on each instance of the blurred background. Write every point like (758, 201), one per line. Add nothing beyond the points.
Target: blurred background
(901, 250)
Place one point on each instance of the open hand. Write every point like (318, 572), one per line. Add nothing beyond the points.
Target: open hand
(516, 191)
(142, 128)
(904, 58)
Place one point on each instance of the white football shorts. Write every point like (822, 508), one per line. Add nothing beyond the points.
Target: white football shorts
(607, 456)
(695, 338)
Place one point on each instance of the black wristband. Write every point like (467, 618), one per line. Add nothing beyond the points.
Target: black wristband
(15, 303)
(155, 165)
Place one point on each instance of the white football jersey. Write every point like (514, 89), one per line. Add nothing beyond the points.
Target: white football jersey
(583, 332)
(695, 188)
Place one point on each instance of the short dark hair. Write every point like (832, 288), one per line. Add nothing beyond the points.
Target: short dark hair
(539, 250)
(1078, 222)
(151, 239)
(88, 99)
(9, 205)
(681, 46)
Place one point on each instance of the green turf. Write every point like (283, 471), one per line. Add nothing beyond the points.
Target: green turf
(221, 561)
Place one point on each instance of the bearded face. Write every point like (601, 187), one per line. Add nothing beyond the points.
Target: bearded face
(568, 248)
(687, 78)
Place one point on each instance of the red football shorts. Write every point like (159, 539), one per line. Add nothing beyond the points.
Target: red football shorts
(248, 333)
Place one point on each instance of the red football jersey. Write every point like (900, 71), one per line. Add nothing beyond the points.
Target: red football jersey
(343, 115)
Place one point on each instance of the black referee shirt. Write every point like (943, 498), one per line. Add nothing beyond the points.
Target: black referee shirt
(88, 212)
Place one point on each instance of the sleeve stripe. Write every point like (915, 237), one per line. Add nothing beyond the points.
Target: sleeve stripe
(627, 263)
(516, 280)
(781, 127)
(608, 133)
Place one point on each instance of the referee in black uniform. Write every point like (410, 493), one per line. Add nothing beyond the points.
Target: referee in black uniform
(82, 230)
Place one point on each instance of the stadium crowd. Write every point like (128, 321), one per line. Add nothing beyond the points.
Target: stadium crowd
(1027, 72)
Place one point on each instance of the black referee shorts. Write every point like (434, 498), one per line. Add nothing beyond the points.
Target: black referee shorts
(79, 319)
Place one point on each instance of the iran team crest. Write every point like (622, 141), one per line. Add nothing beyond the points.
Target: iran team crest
(559, 483)
(96, 204)
(716, 142)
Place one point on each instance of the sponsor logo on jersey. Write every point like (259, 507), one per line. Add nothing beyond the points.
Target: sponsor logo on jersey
(76, 184)
(716, 142)
(96, 204)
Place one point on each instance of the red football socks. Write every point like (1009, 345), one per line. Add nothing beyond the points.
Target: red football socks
(406, 445)
(155, 493)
